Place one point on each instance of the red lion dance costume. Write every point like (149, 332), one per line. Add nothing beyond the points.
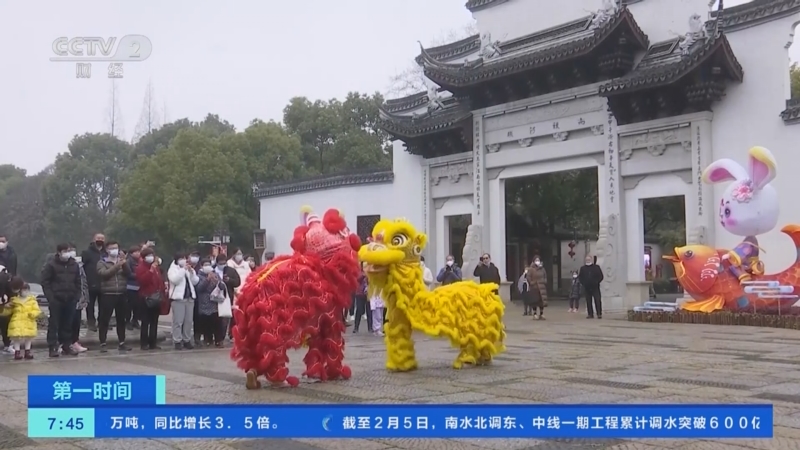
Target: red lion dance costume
(296, 301)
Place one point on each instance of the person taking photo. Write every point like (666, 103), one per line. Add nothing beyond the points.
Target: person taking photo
(450, 273)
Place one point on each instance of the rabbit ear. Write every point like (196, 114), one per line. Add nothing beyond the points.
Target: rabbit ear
(762, 166)
(724, 170)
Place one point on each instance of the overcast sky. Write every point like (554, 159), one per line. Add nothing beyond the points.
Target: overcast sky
(241, 60)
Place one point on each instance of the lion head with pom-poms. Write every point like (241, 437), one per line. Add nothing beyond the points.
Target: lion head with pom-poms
(297, 300)
(327, 237)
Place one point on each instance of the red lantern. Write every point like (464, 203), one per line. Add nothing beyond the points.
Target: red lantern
(571, 246)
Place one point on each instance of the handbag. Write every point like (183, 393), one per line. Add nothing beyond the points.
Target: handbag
(224, 308)
(153, 300)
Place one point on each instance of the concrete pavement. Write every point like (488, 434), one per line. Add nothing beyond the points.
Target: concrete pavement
(90, 338)
(565, 359)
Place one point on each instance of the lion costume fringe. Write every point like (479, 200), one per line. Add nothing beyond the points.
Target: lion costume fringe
(470, 315)
(297, 300)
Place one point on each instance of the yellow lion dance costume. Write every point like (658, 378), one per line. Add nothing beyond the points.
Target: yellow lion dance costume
(467, 313)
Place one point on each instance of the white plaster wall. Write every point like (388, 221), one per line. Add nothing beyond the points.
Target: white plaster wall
(515, 18)
(454, 206)
(497, 222)
(749, 116)
(406, 198)
(652, 186)
(280, 215)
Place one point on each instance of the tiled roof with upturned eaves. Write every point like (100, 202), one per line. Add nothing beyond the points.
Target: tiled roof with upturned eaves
(756, 12)
(791, 114)
(477, 5)
(405, 126)
(543, 48)
(665, 63)
(369, 176)
(454, 50)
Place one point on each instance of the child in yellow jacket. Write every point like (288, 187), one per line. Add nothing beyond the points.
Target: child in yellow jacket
(23, 310)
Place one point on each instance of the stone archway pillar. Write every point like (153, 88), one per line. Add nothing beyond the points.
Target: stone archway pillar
(611, 241)
(479, 232)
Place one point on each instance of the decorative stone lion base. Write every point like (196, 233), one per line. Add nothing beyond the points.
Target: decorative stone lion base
(717, 318)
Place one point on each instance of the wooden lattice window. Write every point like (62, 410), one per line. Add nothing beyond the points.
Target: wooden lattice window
(364, 226)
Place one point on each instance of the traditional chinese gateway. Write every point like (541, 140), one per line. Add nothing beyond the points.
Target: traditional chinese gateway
(648, 92)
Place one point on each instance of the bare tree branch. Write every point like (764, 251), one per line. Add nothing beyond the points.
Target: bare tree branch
(164, 113)
(116, 126)
(149, 117)
(412, 80)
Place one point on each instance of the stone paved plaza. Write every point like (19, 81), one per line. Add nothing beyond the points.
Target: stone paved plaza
(565, 359)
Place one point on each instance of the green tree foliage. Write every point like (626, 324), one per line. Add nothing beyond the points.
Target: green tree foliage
(82, 193)
(794, 76)
(555, 202)
(338, 136)
(188, 190)
(566, 202)
(9, 176)
(159, 138)
(183, 179)
(24, 223)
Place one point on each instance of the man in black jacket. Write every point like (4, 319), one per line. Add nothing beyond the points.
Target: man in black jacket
(8, 259)
(486, 271)
(90, 257)
(61, 283)
(590, 277)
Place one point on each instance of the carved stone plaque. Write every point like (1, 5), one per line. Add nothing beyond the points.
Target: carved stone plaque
(453, 172)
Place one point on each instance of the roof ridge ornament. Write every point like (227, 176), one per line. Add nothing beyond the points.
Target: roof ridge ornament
(606, 12)
(489, 48)
(435, 102)
(697, 31)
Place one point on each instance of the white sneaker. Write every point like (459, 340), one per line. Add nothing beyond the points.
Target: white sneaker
(79, 348)
(9, 349)
(350, 318)
(379, 333)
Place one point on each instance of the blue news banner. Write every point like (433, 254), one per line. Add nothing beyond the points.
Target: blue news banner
(133, 407)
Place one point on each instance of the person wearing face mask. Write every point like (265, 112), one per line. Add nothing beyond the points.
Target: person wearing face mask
(90, 257)
(450, 273)
(486, 271)
(251, 263)
(210, 293)
(194, 261)
(83, 301)
(8, 257)
(574, 293)
(243, 269)
(590, 277)
(132, 293)
(230, 277)
(61, 284)
(427, 275)
(113, 271)
(182, 281)
(524, 290)
(151, 295)
(537, 287)
(362, 303)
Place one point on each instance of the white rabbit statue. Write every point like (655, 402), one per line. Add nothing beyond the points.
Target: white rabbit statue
(749, 207)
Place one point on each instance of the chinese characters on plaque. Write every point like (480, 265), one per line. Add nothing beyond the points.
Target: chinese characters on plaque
(611, 169)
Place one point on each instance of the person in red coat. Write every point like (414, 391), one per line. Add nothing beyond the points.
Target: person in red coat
(151, 284)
